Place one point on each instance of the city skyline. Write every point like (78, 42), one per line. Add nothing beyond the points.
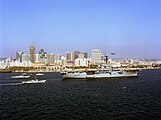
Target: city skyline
(131, 29)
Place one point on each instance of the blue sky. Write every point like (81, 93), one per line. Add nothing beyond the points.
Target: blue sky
(131, 28)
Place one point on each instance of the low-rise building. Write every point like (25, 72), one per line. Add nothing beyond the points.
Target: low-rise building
(81, 62)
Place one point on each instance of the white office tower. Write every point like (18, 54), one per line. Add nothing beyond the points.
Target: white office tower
(96, 56)
(25, 58)
(63, 60)
(36, 57)
(81, 62)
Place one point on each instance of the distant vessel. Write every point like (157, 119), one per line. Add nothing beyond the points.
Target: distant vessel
(39, 74)
(97, 73)
(22, 76)
(104, 71)
(34, 81)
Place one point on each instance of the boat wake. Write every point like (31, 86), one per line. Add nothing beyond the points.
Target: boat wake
(9, 84)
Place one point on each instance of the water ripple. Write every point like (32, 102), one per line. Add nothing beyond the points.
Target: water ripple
(122, 98)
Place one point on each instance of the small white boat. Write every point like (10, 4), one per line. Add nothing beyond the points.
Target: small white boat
(22, 76)
(39, 74)
(33, 81)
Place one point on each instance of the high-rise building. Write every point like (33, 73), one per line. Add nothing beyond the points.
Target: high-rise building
(58, 56)
(76, 53)
(32, 51)
(103, 58)
(85, 55)
(96, 55)
(37, 57)
(50, 58)
(25, 58)
(70, 56)
(42, 56)
(63, 60)
(19, 56)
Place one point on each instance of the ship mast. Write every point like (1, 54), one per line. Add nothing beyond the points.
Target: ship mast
(106, 58)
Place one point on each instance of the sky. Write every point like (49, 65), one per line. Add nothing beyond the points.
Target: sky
(130, 28)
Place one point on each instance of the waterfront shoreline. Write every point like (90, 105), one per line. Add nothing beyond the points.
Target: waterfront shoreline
(9, 71)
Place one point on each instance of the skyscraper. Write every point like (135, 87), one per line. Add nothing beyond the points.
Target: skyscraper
(96, 55)
(36, 57)
(85, 55)
(58, 57)
(25, 58)
(50, 58)
(76, 53)
(32, 51)
(42, 55)
(70, 56)
(19, 56)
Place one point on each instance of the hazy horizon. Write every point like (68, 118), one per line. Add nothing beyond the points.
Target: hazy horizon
(130, 28)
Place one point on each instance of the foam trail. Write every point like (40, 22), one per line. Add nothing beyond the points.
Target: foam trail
(8, 84)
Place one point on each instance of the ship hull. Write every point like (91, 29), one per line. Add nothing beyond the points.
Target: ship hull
(84, 75)
(114, 76)
(74, 75)
(33, 81)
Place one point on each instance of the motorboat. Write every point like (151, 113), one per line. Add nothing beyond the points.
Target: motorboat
(39, 74)
(22, 76)
(33, 81)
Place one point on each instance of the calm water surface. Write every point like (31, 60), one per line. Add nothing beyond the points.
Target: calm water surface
(118, 98)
